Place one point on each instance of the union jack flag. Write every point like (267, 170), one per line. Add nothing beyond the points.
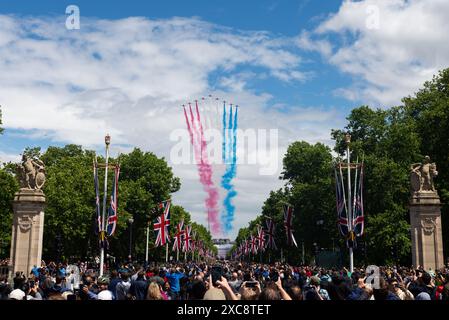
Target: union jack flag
(288, 220)
(98, 227)
(247, 247)
(161, 227)
(112, 213)
(200, 248)
(188, 239)
(193, 246)
(358, 217)
(177, 243)
(253, 244)
(270, 232)
(261, 239)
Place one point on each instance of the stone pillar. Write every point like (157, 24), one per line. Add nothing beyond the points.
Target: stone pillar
(425, 220)
(27, 230)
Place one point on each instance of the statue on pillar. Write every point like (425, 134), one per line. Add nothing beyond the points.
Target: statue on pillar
(28, 220)
(425, 216)
(422, 175)
(31, 173)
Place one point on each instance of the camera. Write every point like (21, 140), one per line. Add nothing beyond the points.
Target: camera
(251, 284)
(71, 297)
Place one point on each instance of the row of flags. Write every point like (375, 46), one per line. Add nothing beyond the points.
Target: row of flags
(265, 238)
(184, 240)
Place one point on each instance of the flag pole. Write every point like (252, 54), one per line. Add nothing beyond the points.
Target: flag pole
(107, 141)
(148, 239)
(351, 252)
(303, 260)
(166, 252)
(177, 254)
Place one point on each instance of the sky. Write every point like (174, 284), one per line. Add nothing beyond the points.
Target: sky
(297, 67)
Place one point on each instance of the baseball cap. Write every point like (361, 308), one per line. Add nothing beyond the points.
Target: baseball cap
(17, 294)
(105, 295)
(423, 296)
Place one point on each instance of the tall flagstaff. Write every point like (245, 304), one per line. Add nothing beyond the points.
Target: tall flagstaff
(107, 141)
(348, 156)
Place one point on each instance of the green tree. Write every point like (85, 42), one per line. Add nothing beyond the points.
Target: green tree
(308, 170)
(145, 181)
(69, 215)
(8, 187)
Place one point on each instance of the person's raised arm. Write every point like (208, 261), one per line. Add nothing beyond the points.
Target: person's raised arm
(284, 294)
(227, 290)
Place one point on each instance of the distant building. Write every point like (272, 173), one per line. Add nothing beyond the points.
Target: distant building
(223, 247)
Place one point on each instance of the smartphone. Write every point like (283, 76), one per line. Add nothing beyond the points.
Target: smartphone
(274, 276)
(251, 284)
(71, 297)
(216, 273)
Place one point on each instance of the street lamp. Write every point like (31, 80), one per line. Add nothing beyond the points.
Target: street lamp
(107, 139)
(130, 221)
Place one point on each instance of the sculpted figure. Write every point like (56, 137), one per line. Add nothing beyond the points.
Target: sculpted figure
(31, 173)
(422, 175)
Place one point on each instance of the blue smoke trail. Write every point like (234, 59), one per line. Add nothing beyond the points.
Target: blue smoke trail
(223, 145)
(229, 141)
(230, 173)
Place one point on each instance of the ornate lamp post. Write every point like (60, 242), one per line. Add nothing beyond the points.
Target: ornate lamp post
(130, 221)
(107, 141)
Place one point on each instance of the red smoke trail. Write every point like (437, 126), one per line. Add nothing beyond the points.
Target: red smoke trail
(204, 168)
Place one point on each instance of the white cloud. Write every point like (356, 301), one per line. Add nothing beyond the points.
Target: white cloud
(390, 46)
(7, 157)
(129, 77)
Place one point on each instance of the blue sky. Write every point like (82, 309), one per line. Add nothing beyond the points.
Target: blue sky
(296, 66)
(286, 17)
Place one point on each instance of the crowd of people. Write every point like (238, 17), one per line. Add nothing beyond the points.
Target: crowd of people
(224, 280)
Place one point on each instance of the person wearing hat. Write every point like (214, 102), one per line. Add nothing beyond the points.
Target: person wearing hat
(313, 290)
(17, 294)
(103, 283)
(104, 293)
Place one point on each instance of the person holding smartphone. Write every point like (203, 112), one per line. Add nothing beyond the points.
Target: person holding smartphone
(33, 291)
